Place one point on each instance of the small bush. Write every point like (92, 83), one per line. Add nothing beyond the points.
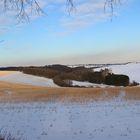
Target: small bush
(134, 83)
(49, 73)
(117, 80)
(57, 80)
(93, 77)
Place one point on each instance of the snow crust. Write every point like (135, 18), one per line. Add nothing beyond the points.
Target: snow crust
(88, 84)
(104, 120)
(21, 78)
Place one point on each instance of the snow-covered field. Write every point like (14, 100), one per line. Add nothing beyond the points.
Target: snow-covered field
(21, 78)
(114, 119)
(130, 69)
(101, 120)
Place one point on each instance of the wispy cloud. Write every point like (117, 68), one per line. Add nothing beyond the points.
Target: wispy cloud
(86, 14)
(9, 18)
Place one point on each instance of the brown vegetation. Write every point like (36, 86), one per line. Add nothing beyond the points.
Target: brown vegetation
(117, 80)
(17, 93)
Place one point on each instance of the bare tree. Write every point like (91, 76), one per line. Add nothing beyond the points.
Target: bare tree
(20, 7)
(110, 4)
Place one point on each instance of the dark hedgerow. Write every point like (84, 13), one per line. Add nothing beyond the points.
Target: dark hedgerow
(117, 80)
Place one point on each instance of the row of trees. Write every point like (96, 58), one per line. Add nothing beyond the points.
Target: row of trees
(62, 75)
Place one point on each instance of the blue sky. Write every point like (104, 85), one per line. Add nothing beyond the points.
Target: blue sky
(87, 35)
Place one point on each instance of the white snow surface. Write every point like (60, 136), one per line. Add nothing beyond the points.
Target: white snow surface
(130, 69)
(100, 120)
(21, 78)
(88, 84)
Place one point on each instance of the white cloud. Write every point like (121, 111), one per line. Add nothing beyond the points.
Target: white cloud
(9, 18)
(86, 14)
(84, 21)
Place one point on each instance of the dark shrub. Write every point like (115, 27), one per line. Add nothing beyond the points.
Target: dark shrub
(134, 83)
(63, 83)
(93, 77)
(117, 80)
(50, 73)
(68, 82)
(81, 73)
(65, 76)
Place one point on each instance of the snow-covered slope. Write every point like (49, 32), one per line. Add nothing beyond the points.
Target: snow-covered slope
(20, 78)
(130, 69)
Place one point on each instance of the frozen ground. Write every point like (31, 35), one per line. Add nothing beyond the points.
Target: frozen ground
(20, 78)
(130, 69)
(113, 120)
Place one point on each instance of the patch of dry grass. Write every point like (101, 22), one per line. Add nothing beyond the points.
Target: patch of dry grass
(15, 92)
(3, 73)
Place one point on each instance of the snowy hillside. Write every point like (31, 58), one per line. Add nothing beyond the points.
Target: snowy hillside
(20, 78)
(130, 69)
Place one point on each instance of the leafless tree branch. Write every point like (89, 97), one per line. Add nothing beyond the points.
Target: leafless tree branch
(20, 7)
(110, 4)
